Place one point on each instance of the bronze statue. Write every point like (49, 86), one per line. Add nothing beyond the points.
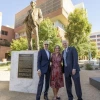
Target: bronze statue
(32, 21)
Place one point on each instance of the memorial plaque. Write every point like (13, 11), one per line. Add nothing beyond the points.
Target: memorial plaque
(25, 66)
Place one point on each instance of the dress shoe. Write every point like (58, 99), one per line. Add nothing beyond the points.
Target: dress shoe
(46, 98)
(58, 98)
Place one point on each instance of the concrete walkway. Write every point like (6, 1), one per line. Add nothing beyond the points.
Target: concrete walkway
(89, 92)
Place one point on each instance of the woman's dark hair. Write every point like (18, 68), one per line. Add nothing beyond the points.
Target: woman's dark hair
(57, 46)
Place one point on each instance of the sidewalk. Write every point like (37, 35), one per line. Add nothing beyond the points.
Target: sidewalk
(89, 92)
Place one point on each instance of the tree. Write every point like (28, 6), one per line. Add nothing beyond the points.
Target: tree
(86, 49)
(19, 44)
(98, 54)
(78, 30)
(93, 49)
(83, 49)
(47, 31)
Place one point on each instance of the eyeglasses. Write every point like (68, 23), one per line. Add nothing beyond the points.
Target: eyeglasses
(46, 44)
(57, 48)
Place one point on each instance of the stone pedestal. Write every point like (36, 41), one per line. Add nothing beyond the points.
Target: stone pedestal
(23, 84)
(95, 81)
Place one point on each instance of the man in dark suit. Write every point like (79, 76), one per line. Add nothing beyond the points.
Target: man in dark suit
(71, 69)
(43, 67)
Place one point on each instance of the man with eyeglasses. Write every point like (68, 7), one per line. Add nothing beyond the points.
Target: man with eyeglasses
(71, 70)
(43, 67)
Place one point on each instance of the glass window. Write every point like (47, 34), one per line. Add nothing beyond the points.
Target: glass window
(98, 35)
(98, 39)
(98, 43)
(93, 36)
(4, 32)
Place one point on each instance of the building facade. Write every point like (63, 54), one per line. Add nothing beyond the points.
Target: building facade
(6, 36)
(7, 33)
(0, 21)
(56, 10)
(95, 37)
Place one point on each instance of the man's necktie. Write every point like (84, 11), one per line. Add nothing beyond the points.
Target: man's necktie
(65, 62)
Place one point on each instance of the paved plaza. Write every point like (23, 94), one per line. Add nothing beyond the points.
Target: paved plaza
(89, 92)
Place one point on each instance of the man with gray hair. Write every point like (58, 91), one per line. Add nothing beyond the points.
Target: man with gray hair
(71, 69)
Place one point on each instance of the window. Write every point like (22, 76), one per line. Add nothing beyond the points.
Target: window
(4, 32)
(98, 35)
(93, 36)
(98, 43)
(5, 39)
(98, 39)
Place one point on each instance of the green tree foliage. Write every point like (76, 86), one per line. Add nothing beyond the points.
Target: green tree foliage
(83, 49)
(88, 47)
(19, 44)
(47, 31)
(78, 30)
(93, 49)
(98, 54)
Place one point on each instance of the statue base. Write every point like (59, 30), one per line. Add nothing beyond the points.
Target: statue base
(23, 75)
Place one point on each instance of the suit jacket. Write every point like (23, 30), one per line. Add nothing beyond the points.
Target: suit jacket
(72, 61)
(43, 63)
(37, 15)
(34, 17)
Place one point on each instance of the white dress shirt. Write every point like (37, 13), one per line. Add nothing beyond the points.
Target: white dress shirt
(47, 52)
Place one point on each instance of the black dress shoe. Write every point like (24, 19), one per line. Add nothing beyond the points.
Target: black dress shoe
(46, 98)
(58, 98)
(80, 99)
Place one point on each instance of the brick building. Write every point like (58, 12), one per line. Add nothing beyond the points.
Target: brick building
(56, 10)
(6, 36)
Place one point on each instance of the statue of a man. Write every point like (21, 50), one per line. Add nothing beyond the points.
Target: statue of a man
(32, 21)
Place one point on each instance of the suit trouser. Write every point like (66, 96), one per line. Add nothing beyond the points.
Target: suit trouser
(68, 81)
(29, 30)
(40, 85)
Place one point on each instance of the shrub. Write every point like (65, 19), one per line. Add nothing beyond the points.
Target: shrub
(88, 66)
(5, 64)
(8, 63)
(81, 66)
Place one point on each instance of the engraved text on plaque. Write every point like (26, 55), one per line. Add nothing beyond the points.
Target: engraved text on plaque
(25, 66)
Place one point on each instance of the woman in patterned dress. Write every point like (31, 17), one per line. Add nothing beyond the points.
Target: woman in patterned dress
(56, 78)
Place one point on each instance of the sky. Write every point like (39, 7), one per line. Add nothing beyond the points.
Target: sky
(10, 7)
(93, 9)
